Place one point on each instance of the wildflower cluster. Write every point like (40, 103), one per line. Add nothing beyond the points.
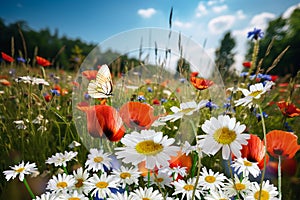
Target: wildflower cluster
(151, 144)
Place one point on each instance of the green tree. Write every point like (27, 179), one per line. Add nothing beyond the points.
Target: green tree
(224, 54)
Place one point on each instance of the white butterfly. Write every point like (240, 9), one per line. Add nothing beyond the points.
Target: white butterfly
(101, 87)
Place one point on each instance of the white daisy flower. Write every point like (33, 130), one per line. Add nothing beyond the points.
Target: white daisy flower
(20, 170)
(242, 165)
(20, 124)
(216, 195)
(47, 196)
(149, 146)
(147, 193)
(241, 186)
(187, 108)
(126, 176)
(119, 196)
(175, 171)
(268, 191)
(38, 119)
(211, 180)
(80, 176)
(100, 187)
(255, 92)
(74, 195)
(187, 148)
(97, 160)
(186, 188)
(161, 179)
(74, 144)
(33, 81)
(61, 159)
(224, 133)
(61, 183)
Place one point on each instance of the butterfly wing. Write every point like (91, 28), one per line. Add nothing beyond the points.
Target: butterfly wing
(102, 86)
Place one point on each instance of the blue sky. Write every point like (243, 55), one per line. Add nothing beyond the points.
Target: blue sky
(96, 20)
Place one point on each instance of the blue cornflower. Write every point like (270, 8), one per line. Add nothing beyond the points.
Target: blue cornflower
(149, 89)
(55, 92)
(288, 127)
(87, 96)
(20, 59)
(163, 100)
(211, 105)
(141, 98)
(255, 34)
(182, 80)
(244, 74)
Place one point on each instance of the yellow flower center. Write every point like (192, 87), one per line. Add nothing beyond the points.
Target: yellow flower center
(20, 170)
(210, 179)
(148, 147)
(159, 180)
(125, 175)
(239, 186)
(247, 163)
(255, 93)
(188, 187)
(79, 183)
(61, 184)
(145, 198)
(102, 184)
(98, 159)
(264, 195)
(224, 135)
(74, 198)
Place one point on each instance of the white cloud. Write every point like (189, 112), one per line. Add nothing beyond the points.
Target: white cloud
(201, 10)
(261, 20)
(289, 11)
(181, 24)
(146, 13)
(221, 24)
(240, 14)
(218, 9)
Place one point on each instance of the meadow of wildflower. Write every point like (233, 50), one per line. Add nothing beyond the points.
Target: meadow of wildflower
(147, 131)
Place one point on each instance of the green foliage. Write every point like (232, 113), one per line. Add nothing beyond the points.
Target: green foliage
(284, 33)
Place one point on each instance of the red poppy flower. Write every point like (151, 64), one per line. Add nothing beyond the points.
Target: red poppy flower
(103, 119)
(47, 97)
(201, 83)
(42, 61)
(181, 160)
(274, 77)
(254, 151)
(155, 102)
(90, 74)
(137, 115)
(194, 74)
(288, 109)
(282, 143)
(247, 64)
(7, 57)
(5, 82)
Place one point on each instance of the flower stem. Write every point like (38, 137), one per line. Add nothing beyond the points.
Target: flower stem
(28, 188)
(148, 182)
(65, 170)
(197, 179)
(279, 177)
(265, 156)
